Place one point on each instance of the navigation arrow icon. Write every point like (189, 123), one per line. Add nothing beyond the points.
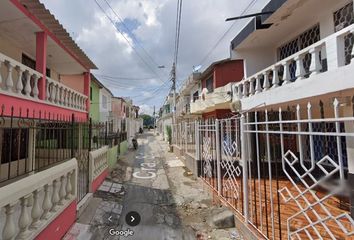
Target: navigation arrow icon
(132, 218)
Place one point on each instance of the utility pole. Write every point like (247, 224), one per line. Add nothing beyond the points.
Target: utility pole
(174, 92)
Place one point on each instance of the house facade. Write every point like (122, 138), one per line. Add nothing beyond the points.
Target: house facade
(215, 97)
(45, 148)
(164, 122)
(189, 92)
(283, 160)
(95, 87)
(105, 104)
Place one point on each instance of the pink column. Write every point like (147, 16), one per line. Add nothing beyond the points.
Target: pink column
(41, 62)
(87, 81)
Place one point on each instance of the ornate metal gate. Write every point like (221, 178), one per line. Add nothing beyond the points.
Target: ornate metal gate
(81, 136)
(284, 171)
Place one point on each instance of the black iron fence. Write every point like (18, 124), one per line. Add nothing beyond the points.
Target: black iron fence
(34, 141)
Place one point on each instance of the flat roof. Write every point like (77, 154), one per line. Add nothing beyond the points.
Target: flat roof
(272, 6)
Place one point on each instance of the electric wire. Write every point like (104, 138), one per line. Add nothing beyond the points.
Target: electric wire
(225, 33)
(131, 33)
(126, 39)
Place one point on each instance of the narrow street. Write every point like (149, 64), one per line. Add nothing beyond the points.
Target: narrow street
(155, 184)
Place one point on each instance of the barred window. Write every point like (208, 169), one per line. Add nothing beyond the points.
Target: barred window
(343, 18)
(302, 41)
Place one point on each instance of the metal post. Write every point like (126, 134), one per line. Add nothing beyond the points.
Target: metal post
(244, 159)
(90, 135)
(197, 153)
(218, 167)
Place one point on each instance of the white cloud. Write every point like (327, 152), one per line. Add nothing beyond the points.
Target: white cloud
(203, 22)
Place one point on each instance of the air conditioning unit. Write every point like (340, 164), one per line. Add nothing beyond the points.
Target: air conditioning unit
(236, 105)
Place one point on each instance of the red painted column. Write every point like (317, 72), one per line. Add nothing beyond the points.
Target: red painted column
(41, 62)
(87, 82)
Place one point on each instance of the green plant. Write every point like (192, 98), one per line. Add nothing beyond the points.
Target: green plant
(169, 134)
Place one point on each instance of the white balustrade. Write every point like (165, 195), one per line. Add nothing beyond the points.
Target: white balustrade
(97, 162)
(31, 203)
(19, 80)
(64, 96)
(292, 68)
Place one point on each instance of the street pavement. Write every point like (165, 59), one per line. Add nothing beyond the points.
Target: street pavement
(151, 184)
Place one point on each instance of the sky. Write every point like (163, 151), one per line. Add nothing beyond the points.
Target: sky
(129, 39)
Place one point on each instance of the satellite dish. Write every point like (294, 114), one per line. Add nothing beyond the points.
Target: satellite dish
(197, 68)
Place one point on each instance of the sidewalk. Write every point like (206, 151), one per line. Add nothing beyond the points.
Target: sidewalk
(172, 205)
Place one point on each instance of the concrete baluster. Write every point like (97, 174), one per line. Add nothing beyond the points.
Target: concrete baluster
(9, 229)
(35, 86)
(9, 81)
(24, 219)
(19, 84)
(36, 210)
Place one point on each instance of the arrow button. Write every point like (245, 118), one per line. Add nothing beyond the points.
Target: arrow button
(132, 218)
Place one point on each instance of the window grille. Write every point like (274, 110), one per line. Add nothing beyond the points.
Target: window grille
(343, 18)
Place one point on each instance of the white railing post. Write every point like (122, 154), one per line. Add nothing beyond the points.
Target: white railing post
(245, 92)
(258, 84)
(35, 90)
(28, 84)
(244, 160)
(252, 86)
(19, 84)
(266, 84)
(9, 229)
(197, 138)
(315, 66)
(9, 81)
(218, 162)
(286, 72)
(300, 70)
(275, 80)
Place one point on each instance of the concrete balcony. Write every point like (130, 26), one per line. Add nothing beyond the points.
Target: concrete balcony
(189, 83)
(220, 98)
(20, 81)
(316, 70)
(29, 205)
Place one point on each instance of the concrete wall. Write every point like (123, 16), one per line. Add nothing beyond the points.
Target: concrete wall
(112, 157)
(105, 108)
(228, 72)
(9, 49)
(256, 59)
(75, 82)
(94, 102)
(123, 147)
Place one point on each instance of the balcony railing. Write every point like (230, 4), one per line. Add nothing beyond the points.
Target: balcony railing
(218, 97)
(59, 94)
(29, 205)
(21, 81)
(325, 55)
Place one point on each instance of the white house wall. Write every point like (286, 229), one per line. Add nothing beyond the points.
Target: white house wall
(260, 49)
(104, 110)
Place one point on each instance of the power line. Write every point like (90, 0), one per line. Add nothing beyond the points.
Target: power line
(126, 39)
(131, 33)
(225, 33)
(124, 78)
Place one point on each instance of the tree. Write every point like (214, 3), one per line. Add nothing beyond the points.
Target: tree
(147, 120)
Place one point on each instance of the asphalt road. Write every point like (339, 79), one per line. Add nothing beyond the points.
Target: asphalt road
(148, 193)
